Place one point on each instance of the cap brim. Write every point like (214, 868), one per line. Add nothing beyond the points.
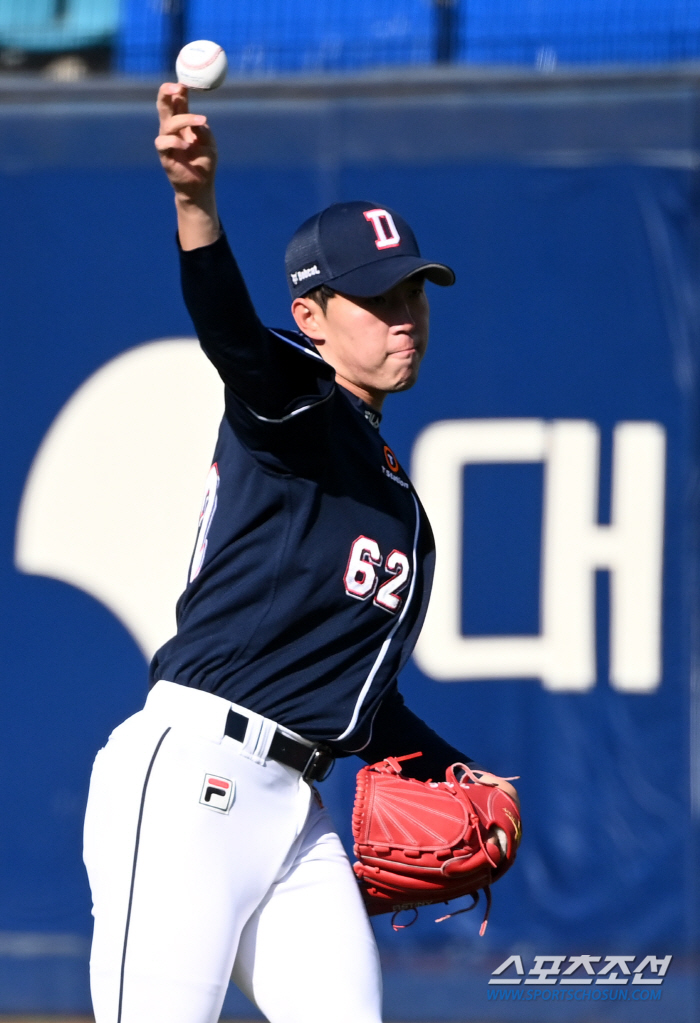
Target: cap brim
(383, 274)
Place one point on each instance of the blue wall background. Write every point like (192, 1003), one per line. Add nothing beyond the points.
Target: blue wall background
(567, 306)
(335, 35)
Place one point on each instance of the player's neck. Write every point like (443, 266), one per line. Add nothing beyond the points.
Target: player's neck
(375, 399)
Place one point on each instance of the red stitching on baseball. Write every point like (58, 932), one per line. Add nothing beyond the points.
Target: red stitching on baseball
(200, 67)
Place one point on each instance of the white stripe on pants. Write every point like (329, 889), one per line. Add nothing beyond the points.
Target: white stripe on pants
(183, 895)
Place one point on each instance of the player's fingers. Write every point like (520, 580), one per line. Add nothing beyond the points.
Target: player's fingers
(509, 790)
(165, 142)
(205, 136)
(201, 136)
(165, 100)
(486, 778)
(177, 122)
(172, 98)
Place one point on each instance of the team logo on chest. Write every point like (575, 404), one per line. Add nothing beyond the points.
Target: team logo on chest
(392, 472)
(391, 459)
(217, 793)
(361, 577)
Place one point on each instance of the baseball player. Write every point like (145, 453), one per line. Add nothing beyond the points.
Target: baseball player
(208, 850)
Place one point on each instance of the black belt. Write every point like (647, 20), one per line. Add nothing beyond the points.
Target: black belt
(314, 762)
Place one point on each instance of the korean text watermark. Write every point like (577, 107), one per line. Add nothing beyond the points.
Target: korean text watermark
(579, 971)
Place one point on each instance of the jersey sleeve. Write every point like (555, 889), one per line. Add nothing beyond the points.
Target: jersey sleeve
(274, 373)
(397, 731)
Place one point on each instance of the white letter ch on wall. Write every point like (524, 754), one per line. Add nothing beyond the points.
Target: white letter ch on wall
(574, 545)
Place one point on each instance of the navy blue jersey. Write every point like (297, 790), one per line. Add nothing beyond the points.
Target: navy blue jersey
(313, 561)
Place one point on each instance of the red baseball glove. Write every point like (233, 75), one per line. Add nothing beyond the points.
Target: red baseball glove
(418, 843)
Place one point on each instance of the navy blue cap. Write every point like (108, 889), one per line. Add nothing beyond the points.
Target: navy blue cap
(357, 248)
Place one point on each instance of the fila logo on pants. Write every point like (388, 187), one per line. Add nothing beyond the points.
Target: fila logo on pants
(217, 793)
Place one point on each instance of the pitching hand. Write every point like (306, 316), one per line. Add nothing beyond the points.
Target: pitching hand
(502, 783)
(185, 143)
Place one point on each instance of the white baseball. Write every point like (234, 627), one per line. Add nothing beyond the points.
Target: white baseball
(201, 65)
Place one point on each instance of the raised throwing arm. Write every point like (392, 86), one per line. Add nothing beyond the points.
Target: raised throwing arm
(264, 369)
(187, 151)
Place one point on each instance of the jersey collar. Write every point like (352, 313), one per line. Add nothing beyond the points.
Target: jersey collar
(373, 417)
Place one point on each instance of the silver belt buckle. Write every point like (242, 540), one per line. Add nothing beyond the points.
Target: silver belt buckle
(316, 760)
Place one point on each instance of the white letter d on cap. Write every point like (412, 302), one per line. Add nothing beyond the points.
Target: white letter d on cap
(384, 228)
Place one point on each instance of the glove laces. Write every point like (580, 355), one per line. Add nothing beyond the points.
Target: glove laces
(467, 909)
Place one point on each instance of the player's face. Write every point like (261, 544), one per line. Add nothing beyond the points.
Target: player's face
(374, 344)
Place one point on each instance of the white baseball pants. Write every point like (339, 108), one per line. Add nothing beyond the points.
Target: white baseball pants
(206, 859)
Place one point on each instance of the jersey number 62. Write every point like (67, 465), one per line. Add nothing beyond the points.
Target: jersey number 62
(361, 579)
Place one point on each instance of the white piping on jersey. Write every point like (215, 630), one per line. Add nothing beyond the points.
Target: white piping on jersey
(306, 351)
(290, 415)
(304, 408)
(387, 642)
(371, 733)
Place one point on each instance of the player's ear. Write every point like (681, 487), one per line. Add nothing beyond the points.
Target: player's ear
(309, 318)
